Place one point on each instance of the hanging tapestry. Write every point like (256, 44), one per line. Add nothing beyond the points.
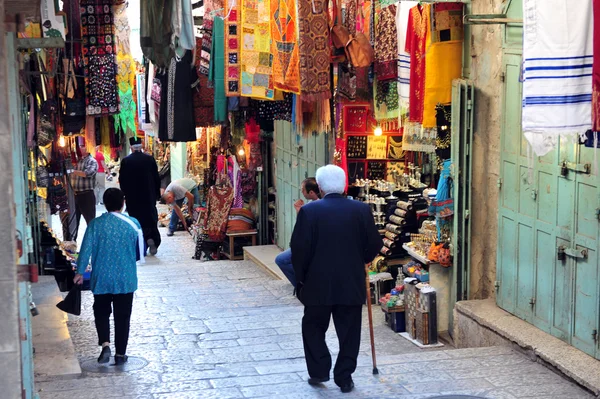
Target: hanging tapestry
(416, 138)
(97, 31)
(203, 52)
(596, 70)
(314, 50)
(156, 30)
(386, 45)
(125, 119)
(402, 14)
(257, 61)
(557, 71)
(232, 48)
(204, 96)
(447, 24)
(216, 73)
(284, 46)
(386, 104)
(417, 39)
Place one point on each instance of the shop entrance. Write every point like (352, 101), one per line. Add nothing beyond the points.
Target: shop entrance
(547, 268)
(297, 157)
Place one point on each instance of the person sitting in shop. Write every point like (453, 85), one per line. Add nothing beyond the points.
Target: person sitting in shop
(175, 194)
(113, 242)
(310, 191)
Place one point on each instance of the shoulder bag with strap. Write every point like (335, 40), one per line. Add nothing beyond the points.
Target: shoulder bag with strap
(140, 239)
(358, 48)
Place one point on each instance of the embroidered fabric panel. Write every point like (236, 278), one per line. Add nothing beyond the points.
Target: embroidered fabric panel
(417, 38)
(284, 45)
(232, 49)
(257, 60)
(97, 32)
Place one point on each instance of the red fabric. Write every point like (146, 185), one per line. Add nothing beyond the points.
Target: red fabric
(252, 131)
(416, 43)
(596, 70)
(341, 158)
(100, 158)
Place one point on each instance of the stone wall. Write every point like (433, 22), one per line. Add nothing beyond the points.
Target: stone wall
(10, 377)
(486, 68)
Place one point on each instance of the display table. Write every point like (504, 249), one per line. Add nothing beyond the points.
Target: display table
(232, 236)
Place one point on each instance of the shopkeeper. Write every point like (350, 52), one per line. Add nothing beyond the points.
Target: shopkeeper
(83, 180)
(175, 194)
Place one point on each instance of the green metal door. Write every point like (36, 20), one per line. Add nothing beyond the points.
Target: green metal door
(547, 266)
(297, 157)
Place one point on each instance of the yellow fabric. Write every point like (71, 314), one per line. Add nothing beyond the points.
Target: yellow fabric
(443, 64)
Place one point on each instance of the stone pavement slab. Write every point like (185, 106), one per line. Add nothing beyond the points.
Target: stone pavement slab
(231, 330)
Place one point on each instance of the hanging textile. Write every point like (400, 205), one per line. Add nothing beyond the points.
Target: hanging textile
(256, 58)
(203, 52)
(125, 119)
(416, 138)
(596, 70)
(443, 62)
(417, 39)
(557, 71)
(314, 50)
(218, 205)
(232, 45)
(216, 72)
(97, 31)
(386, 44)
(156, 30)
(204, 96)
(284, 45)
(176, 122)
(386, 104)
(402, 14)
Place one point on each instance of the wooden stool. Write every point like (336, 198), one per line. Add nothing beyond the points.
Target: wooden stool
(232, 236)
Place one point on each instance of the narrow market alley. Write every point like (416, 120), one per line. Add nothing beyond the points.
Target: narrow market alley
(228, 329)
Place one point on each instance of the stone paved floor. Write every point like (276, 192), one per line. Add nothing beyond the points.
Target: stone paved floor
(229, 330)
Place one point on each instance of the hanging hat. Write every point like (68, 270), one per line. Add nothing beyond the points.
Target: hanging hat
(135, 141)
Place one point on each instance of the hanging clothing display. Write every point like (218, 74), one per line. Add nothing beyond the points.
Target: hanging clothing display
(97, 32)
(204, 96)
(125, 119)
(218, 205)
(557, 71)
(284, 45)
(156, 30)
(315, 55)
(386, 45)
(176, 122)
(232, 46)
(402, 15)
(256, 59)
(417, 40)
(216, 72)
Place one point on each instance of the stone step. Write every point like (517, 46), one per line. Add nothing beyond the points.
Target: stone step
(264, 256)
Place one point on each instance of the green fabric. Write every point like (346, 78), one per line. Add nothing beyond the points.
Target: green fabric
(216, 71)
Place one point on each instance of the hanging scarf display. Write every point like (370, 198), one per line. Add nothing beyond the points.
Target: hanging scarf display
(232, 48)
(125, 119)
(386, 104)
(443, 62)
(216, 73)
(557, 71)
(402, 14)
(314, 50)
(284, 45)
(97, 31)
(256, 58)
(156, 30)
(204, 96)
(417, 39)
(386, 44)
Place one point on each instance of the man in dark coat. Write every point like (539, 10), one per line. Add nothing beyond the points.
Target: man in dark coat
(139, 180)
(332, 241)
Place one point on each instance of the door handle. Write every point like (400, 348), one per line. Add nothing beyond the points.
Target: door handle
(563, 252)
(574, 167)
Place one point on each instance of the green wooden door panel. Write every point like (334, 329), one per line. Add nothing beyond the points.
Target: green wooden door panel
(525, 270)
(585, 303)
(544, 270)
(561, 300)
(507, 265)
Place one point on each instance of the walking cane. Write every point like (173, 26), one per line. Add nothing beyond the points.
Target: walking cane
(369, 310)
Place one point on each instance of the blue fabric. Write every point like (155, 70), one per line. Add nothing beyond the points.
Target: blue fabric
(284, 261)
(111, 244)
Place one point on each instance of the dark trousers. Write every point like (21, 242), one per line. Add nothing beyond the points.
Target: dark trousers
(85, 204)
(347, 321)
(103, 306)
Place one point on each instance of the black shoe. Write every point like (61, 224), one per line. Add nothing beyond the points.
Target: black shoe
(170, 233)
(152, 247)
(348, 387)
(317, 381)
(120, 360)
(104, 355)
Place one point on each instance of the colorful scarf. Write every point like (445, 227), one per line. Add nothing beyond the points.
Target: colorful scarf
(216, 71)
(314, 50)
(233, 48)
(417, 39)
(557, 71)
(97, 31)
(125, 119)
(204, 96)
(386, 104)
(284, 46)
(402, 14)
(257, 61)
(386, 45)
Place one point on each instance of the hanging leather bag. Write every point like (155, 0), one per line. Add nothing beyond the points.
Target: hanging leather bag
(359, 51)
(75, 108)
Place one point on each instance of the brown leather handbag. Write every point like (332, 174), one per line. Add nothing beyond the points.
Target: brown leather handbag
(358, 48)
(339, 35)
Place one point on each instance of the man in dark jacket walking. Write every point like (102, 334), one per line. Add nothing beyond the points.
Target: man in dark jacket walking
(332, 241)
(139, 181)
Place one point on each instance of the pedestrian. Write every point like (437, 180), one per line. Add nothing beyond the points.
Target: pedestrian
(332, 241)
(175, 194)
(140, 182)
(310, 191)
(112, 242)
(83, 181)
(100, 175)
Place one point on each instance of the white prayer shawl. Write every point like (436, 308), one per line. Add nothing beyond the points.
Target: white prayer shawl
(402, 13)
(557, 71)
(140, 240)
